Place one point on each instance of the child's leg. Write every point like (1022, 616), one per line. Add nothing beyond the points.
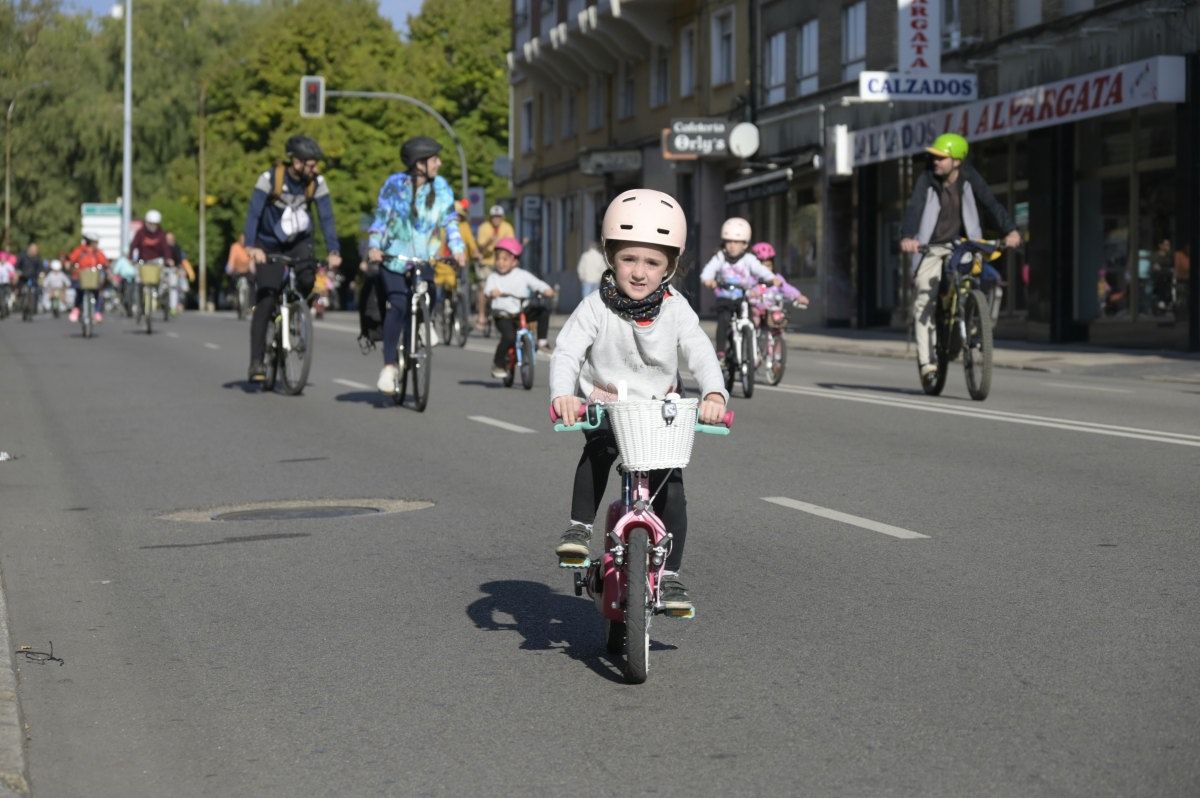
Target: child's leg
(671, 506)
(591, 475)
(508, 337)
(543, 321)
(724, 317)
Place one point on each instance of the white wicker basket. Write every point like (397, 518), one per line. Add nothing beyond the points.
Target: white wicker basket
(647, 442)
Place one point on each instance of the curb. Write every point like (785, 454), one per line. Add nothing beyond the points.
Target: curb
(12, 736)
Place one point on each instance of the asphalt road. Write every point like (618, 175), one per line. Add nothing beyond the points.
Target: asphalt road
(946, 598)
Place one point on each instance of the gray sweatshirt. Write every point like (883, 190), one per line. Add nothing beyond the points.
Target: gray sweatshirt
(518, 283)
(597, 349)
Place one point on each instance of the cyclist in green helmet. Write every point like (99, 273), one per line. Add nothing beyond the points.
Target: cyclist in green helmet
(943, 208)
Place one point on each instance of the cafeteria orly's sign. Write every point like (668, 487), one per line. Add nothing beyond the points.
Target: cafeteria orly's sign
(1161, 79)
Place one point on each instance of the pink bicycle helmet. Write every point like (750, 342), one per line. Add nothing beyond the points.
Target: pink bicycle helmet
(510, 245)
(645, 216)
(735, 229)
(763, 251)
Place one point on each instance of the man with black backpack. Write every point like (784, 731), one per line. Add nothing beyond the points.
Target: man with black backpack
(280, 222)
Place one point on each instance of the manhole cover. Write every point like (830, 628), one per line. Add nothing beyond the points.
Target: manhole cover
(300, 509)
(293, 513)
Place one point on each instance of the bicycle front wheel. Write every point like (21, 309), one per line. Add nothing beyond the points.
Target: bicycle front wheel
(421, 355)
(639, 606)
(461, 322)
(297, 359)
(746, 365)
(274, 341)
(977, 349)
(527, 356)
(146, 311)
(88, 308)
(778, 357)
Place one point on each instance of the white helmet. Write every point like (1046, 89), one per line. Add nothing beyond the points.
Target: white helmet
(153, 217)
(56, 265)
(645, 216)
(497, 210)
(736, 229)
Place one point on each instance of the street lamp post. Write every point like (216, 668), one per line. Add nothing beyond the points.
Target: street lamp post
(12, 104)
(127, 134)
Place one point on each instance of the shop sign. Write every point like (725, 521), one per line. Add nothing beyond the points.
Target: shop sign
(1160, 79)
(610, 161)
(919, 40)
(697, 138)
(936, 87)
(758, 187)
(531, 208)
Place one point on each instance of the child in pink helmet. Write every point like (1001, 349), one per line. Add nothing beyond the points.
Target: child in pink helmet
(506, 286)
(633, 330)
(763, 295)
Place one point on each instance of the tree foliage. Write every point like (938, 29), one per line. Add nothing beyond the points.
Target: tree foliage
(230, 71)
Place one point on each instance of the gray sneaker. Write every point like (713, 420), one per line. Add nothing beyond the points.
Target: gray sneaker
(572, 549)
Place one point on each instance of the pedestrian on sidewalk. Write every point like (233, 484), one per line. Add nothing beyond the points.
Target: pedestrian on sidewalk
(590, 269)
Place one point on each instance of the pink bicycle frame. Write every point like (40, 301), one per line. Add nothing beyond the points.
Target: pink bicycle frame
(609, 593)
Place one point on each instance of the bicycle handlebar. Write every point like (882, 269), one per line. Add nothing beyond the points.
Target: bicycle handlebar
(594, 416)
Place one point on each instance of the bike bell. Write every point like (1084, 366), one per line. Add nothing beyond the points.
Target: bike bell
(669, 409)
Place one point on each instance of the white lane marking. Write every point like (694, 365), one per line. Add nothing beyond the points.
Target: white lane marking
(1069, 386)
(352, 384)
(846, 518)
(979, 414)
(172, 335)
(836, 364)
(501, 424)
(207, 345)
(328, 325)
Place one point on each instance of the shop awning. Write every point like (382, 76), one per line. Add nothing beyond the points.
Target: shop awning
(757, 186)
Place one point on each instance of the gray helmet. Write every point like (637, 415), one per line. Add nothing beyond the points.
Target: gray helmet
(418, 148)
(304, 148)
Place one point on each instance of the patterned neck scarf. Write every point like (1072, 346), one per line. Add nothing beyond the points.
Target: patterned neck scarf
(633, 309)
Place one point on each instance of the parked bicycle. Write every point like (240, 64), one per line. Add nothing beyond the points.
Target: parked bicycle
(149, 279)
(290, 336)
(523, 353)
(963, 318)
(418, 354)
(651, 435)
(741, 346)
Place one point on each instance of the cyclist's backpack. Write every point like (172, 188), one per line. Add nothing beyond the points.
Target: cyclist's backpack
(310, 189)
(371, 302)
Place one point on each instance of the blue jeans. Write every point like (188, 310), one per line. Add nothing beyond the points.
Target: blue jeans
(397, 289)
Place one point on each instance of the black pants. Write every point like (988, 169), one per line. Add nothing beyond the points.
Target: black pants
(507, 325)
(726, 310)
(591, 478)
(269, 279)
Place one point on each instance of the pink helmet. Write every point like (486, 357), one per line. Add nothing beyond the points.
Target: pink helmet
(645, 216)
(510, 245)
(763, 251)
(735, 229)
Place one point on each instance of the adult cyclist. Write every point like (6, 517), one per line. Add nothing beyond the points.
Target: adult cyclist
(414, 214)
(280, 222)
(944, 207)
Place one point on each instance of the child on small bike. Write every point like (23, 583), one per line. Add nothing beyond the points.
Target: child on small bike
(505, 286)
(763, 296)
(633, 330)
(733, 265)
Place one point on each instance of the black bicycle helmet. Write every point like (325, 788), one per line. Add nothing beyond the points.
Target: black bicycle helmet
(304, 148)
(418, 148)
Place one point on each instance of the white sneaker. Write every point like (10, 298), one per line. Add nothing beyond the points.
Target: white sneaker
(435, 340)
(928, 370)
(388, 378)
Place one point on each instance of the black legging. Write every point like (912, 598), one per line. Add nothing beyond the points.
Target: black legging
(507, 326)
(591, 478)
(726, 310)
(269, 279)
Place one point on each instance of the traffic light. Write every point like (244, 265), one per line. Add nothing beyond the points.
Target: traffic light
(312, 96)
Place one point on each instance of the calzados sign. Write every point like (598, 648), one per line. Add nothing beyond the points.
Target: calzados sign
(1155, 80)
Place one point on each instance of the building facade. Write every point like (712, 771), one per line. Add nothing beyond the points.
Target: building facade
(1084, 125)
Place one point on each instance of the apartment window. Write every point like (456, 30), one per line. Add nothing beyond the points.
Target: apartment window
(548, 120)
(628, 90)
(1027, 13)
(568, 105)
(854, 40)
(722, 47)
(660, 74)
(806, 58)
(527, 125)
(596, 101)
(687, 61)
(775, 69)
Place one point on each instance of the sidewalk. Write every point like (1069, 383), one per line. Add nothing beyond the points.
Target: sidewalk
(1153, 365)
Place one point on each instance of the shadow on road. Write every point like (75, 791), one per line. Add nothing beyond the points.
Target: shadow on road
(548, 620)
(236, 539)
(482, 383)
(373, 398)
(841, 386)
(246, 387)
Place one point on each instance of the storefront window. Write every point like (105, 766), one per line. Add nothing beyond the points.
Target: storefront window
(1157, 289)
(799, 257)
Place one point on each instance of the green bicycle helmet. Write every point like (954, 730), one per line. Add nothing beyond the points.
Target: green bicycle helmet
(949, 145)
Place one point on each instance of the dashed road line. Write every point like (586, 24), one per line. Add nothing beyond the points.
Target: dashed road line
(207, 345)
(1077, 387)
(352, 384)
(846, 518)
(840, 365)
(495, 422)
(172, 335)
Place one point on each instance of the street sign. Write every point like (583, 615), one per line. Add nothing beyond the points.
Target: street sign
(900, 87)
(475, 197)
(697, 138)
(605, 162)
(531, 208)
(502, 166)
(103, 220)
(743, 139)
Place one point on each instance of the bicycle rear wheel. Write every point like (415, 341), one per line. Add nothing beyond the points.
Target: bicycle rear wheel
(773, 350)
(297, 359)
(419, 358)
(243, 297)
(527, 356)
(461, 321)
(977, 349)
(639, 605)
(746, 364)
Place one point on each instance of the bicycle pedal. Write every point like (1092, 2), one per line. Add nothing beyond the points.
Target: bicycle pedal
(685, 615)
(574, 562)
